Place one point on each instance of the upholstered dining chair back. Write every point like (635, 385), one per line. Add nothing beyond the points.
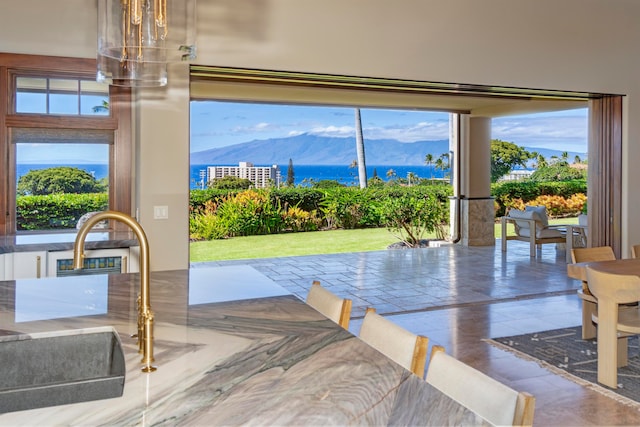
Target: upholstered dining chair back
(492, 400)
(398, 344)
(614, 323)
(635, 251)
(332, 306)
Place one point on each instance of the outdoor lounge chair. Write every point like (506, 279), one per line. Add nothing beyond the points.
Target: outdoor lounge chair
(532, 218)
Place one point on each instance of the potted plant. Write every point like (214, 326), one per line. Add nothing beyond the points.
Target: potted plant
(582, 218)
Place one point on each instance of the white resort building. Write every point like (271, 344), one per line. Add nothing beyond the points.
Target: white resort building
(261, 176)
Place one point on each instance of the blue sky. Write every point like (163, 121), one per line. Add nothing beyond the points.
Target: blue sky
(218, 124)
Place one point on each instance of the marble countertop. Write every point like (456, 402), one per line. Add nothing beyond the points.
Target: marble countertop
(64, 241)
(231, 347)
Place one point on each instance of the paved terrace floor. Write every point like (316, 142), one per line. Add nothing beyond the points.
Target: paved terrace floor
(409, 280)
(458, 296)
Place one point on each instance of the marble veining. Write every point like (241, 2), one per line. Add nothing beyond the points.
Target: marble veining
(267, 360)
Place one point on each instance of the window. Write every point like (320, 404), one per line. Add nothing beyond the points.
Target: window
(64, 96)
(63, 141)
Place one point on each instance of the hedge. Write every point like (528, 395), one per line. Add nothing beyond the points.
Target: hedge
(56, 211)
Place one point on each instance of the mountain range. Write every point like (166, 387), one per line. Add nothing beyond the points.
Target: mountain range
(308, 149)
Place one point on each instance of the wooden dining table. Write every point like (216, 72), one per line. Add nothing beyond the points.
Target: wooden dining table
(630, 266)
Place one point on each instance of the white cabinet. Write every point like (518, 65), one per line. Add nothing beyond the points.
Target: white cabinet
(96, 260)
(134, 259)
(37, 264)
(26, 265)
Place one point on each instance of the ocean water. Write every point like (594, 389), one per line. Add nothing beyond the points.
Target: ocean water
(341, 173)
(302, 173)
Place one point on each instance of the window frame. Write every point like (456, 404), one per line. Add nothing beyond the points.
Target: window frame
(118, 121)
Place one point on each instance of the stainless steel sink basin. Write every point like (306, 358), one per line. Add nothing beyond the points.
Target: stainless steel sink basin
(56, 368)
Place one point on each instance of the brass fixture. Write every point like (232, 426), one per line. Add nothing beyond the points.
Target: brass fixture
(145, 315)
(138, 38)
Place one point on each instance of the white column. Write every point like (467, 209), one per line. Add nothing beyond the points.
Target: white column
(476, 206)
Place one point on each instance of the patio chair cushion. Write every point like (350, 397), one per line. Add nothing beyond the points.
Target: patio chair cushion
(539, 214)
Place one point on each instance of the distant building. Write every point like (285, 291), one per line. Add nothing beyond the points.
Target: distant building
(517, 175)
(261, 176)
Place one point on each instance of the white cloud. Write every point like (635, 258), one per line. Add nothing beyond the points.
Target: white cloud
(563, 132)
(333, 131)
(419, 132)
(256, 128)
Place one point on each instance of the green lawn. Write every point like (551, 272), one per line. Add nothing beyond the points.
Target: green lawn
(292, 244)
(310, 243)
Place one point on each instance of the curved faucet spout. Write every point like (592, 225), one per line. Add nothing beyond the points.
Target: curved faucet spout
(145, 315)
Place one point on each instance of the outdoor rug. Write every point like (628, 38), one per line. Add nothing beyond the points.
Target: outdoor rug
(564, 352)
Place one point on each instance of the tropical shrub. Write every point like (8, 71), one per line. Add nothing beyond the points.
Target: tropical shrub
(305, 198)
(216, 215)
(348, 207)
(557, 206)
(296, 219)
(205, 225)
(506, 194)
(411, 216)
(246, 213)
(56, 211)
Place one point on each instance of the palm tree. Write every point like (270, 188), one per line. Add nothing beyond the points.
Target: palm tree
(391, 173)
(443, 163)
(411, 177)
(428, 159)
(577, 159)
(101, 108)
(439, 164)
(362, 168)
(542, 162)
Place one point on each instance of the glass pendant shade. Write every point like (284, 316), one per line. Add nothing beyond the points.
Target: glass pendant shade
(137, 38)
(131, 73)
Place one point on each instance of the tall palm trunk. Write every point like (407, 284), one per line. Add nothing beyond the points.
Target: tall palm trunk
(362, 167)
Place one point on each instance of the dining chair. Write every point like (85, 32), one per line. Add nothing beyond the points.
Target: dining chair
(329, 304)
(614, 324)
(635, 251)
(494, 401)
(398, 344)
(589, 302)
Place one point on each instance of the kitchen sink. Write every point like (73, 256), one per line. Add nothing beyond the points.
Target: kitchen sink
(56, 368)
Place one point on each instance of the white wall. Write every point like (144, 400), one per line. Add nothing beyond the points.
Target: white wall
(581, 45)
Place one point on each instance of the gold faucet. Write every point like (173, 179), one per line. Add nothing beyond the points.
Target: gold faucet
(145, 315)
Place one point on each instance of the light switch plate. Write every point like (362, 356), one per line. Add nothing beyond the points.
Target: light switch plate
(161, 212)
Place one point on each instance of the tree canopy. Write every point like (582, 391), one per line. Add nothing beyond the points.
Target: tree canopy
(231, 183)
(560, 171)
(61, 179)
(505, 156)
